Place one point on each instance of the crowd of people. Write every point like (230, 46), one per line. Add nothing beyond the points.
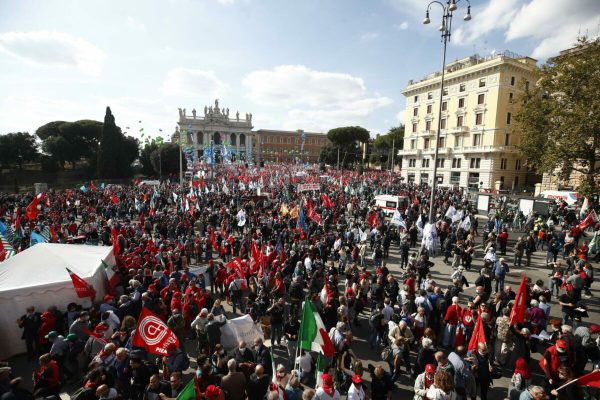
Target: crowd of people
(264, 247)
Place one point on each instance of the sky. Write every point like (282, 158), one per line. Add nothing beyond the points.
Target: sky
(310, 64)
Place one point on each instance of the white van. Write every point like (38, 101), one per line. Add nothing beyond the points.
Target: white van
(390, 203)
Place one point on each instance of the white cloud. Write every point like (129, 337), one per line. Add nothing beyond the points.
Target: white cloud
(402, 25)
(226, 2)
(315, 100)
(136, 24)
(551, 25)
(369, 36)
(54, 49)
(193, 83)
(293, 85)
(400, 117)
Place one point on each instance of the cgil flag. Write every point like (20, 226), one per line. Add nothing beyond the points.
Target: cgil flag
(36, 238)
(517, 314)
(153, 334)
(82, 288)
(32, 211)
(313, 335)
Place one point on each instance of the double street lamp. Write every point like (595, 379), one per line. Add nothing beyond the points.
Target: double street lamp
(448, 8)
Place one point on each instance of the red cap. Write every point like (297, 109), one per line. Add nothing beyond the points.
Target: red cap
(595, 328)
(212, 391)
(561, 344)
(430, 368)
(356, 379)
(327, 380)
(108, 298)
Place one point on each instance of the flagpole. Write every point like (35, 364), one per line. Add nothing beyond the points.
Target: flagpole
(299, 342)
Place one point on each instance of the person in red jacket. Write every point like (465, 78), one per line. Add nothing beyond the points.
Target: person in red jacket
(502, 241)
(452, 318)
(48, 324)
(554, 357)
(45, 379)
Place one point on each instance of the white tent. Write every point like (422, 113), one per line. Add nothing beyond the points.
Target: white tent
(38, 277)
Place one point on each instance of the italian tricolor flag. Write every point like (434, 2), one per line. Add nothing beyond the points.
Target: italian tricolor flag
(113, 277)
(313, 335)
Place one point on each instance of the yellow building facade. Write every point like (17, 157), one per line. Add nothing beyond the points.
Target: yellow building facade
(477, 147)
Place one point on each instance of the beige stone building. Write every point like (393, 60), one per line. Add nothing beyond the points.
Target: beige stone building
(477, 147)
(290, 146)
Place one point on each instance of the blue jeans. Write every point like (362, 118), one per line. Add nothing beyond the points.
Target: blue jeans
(449, 335)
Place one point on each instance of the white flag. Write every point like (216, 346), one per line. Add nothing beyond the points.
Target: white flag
(363, 235)
(450, 212)
(397, 219)
(241, 217)
(458, 216)
(466, 223)
(175, 197)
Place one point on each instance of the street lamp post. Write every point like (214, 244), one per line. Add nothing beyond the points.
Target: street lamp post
(446, 30)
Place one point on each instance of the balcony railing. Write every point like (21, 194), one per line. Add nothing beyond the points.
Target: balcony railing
(459, 129)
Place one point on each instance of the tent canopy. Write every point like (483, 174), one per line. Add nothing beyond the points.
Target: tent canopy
(38, 277)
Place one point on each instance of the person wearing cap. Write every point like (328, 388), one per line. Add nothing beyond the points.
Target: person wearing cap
(356, 390)
(423, 382)
(213, 392)
(76, 359)
(326, 391)
(175, 360)
(554, 357)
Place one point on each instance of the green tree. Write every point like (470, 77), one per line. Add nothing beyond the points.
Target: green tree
(116, 152)
(17, 148)
(70, 141)
(347, 140)
(146, 160)
(167, 155)
(49, 129)
(559, 117)
(384, 144)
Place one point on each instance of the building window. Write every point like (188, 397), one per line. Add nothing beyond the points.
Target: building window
(456, 163)
(457, 141)
(507, 140)
(455, 178)
(416, 99)
(481, 98)
(425, 163)
(415, 111)
(479, 119)
(411, 163)
(475, 162)
(427, 126)
(462, 87)
(482, 82)
(512, 81)
(429, 109)
(518, 165)
(426, 143)
(440, 162)
(413, 144)
(414, 128)
(289, 140)
(461, 102)
(503, 163)
(508, 118)
(441, 142)
(444, 105)
(526, 85)
(445, 93)
(477, 139)
(429, 96)
(443, 123)
(510, 98)
(459, 121)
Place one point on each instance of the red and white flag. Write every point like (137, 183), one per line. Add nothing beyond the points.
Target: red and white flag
(312, 214)
(373, 219)
(326, 201)
(153, 334)
(31, 211)
(82, 288)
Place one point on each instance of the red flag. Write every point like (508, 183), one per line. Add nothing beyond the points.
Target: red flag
(589, 220)
(53, 235)
(373, 220)
(591, 379)
(114, 199)
(2, 251)
(213, 241)
(459, 339)
(81, 286)
(326, 201)
(115, 241)
(478, 335)
(92, 186)
(153, 334)
(31, 211)
(312, 214)
(195, 183)
(517, 314)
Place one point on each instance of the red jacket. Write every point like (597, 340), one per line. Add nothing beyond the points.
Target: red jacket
(453, 314)
(552, 370)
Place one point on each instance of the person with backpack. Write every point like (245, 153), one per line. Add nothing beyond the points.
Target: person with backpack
(377, 325)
